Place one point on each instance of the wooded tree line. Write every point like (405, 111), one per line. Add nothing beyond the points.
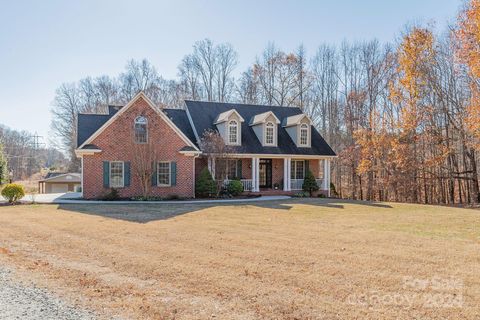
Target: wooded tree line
(23, 157)
(403, 118)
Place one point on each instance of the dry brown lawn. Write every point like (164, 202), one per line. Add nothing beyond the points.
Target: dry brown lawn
(295, 259)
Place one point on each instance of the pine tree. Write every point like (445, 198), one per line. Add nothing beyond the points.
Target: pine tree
(3, 166)
(205, 185)
(309, 183)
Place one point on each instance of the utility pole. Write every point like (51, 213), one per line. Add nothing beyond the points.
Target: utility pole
(35, 145)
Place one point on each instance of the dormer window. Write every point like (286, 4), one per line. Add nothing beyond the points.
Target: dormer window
(270, 133)
(233, 132)
(265, 127)
(229, 125)
(299, 129)
(304, 135)
(141, 131)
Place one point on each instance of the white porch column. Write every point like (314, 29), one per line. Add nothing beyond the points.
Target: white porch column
(211, 166)
(255, 175)
(287, 163)
(326, 174)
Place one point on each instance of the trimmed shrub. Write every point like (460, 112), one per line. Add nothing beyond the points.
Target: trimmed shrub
(235, 187)
(205, 186)
(112, 195)
(13, 192)
(309, 183)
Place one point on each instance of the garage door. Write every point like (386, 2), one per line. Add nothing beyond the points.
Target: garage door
(59, 188)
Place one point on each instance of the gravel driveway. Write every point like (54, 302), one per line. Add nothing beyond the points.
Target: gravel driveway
(20, 300)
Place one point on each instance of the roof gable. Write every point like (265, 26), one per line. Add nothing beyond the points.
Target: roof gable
(295, 120)
(117, 114)
(62, 177)
(262, 117)
(224, 116)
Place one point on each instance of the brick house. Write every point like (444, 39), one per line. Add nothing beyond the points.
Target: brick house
(271, 148)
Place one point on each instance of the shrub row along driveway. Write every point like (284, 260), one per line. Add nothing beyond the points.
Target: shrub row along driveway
(298, 258)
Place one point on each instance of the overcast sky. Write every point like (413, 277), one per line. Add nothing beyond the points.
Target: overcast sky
(45, 43)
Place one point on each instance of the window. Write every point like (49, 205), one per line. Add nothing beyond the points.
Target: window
(163, 172)
(233, 132)
(269, 133)
(116, 174)
(141, 130)
(297, 169)
(227, 168)
(304, 134)
(321, 168)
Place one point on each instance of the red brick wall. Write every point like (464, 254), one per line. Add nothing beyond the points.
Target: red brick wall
(200, 163)
(277, 172)
(247, 168)
(313, 167)
(116, 143)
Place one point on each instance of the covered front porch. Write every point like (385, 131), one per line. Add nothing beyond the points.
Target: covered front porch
(274, 174)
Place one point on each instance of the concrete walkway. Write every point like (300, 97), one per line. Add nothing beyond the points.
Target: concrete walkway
(75, 198)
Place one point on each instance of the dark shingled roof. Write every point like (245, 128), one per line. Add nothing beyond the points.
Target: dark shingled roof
(88, 124)
(180, 119)
(203, 116)
(53, 174)
(188, 148)
(90, 147)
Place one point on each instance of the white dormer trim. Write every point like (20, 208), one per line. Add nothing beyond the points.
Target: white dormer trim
(262, 118)
(225, 116)
(294, 126)
(301, 127)
(275, 134)
(223, 123)
(296, 120)
(259, 125)
(238, 126)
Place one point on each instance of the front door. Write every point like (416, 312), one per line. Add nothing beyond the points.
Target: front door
(265, 171)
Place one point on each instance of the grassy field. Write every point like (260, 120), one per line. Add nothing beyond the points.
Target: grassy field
(295, 259)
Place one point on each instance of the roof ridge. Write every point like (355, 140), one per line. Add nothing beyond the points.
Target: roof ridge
(244, 104)
(93, 114)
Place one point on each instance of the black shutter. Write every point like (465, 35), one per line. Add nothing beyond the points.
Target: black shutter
(106, 174)
(126, 174)
(239, 169)
(173, 173)
(154, 174)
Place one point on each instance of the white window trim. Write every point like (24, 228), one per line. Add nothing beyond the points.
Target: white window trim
(135, 130)
(300, 135)
(228, 142)
(110, 174)
(293, 168)
(274, 143)
(169, 174)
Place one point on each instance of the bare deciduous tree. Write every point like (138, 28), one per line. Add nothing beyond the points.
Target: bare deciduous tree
(214, 148)
(144, 157)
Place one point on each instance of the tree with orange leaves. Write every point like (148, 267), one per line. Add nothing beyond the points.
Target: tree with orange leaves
(408, 91)
(468, 50)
